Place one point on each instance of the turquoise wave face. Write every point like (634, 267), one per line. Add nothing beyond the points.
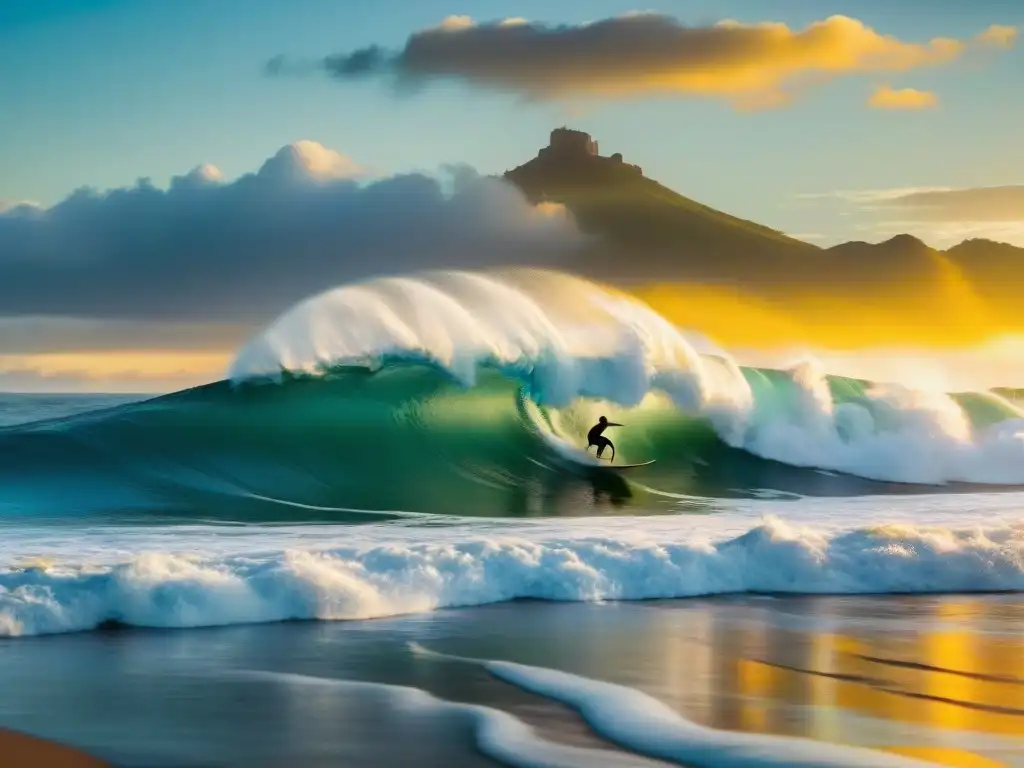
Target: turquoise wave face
(356, 445)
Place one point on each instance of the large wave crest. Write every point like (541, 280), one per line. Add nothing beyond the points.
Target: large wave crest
(566, 339)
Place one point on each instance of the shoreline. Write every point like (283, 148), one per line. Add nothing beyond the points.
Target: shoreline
(22, 750)
(931, 677)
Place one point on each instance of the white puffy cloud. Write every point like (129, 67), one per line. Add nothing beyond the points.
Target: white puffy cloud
(307, 160)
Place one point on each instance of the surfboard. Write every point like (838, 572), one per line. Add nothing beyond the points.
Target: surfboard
(626, 466)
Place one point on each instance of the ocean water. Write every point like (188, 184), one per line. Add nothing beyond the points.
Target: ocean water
(406, 453)
(25, 408)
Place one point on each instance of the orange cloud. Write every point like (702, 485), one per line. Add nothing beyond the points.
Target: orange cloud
(886, 97)
(998, 36)
(751, 65)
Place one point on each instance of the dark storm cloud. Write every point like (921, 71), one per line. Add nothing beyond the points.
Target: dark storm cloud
(240, 252)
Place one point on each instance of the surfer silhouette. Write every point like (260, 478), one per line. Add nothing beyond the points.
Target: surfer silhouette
(596, 437)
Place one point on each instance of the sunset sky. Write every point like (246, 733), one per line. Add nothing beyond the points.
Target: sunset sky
(897, 117)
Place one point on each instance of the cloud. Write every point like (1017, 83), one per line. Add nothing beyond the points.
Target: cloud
(751, 65)
(886, 97)
(206, 250)
(14, 205)
(29, 335)
(299, 162)
(978, 204)
(868, 195)
(999, 36)
(943, 216)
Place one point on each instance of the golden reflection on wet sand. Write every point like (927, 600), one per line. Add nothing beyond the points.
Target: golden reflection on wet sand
(945, 664)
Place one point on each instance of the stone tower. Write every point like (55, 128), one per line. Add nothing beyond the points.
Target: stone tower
(566, 142)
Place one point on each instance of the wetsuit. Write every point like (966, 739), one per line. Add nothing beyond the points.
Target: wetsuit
(596, 437)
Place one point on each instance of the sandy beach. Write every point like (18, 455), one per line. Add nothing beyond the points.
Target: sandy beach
(22, 751)
(932, 677)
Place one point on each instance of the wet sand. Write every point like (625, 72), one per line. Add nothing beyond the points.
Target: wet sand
(22, 751)
(938, 678)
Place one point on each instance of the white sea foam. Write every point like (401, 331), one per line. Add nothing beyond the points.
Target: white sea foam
(498, 734)
(567, 338)
(643, 724)
(53, 581)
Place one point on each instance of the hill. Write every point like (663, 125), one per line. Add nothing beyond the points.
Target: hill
(613, 199)
(647, 232)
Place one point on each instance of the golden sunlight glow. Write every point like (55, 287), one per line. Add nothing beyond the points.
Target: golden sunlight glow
(135, 370)
(952, 315)
(768, 54)
(951, 756)
(947, 338)
(951, 680)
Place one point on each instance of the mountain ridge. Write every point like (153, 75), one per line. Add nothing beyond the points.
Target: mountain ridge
(666, 234)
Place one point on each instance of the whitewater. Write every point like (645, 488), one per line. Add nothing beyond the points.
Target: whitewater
(62, 579)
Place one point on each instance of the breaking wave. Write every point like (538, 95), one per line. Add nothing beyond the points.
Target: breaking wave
(210, 576)
(471, 394)
(564, 339)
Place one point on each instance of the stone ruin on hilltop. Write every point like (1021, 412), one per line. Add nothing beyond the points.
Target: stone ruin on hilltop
(570, 146)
